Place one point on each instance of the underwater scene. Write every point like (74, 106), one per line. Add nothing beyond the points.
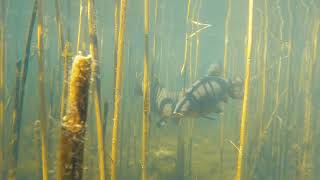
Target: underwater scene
(159, 90)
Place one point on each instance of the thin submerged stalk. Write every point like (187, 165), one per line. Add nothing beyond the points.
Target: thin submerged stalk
(289, 95)
(197, 43)
(43, 112)
(180, 162)
(17, 115)
(226, 39)
(264, 64)
(243, 127)
(191, 41)
(80, 25)
(190, 125)
(156, 9)
(311, 59)
(146, 95)
(118, 89)
(59, 26)
(2, 89)
(186, 48)
(116, 29)
(37, 150)
(96, 84)
(225, 71)
(63, 51)
(14, 113)
(306, 157)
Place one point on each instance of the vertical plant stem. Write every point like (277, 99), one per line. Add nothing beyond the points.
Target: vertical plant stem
(311, 59)
(80, 26)
(289, 95)
(264, 65)
(186, 48)
(64, 90)
(180, 163)
(225, 71)
(118, 89)
(243, 127)
(226, 39)
(277, 135)
(146, 105)
(116, 33)
(63, 51)
(96, 84)
(197, 43)
(2, 80)
(17, 117)
(306, 159)
(59, 26)
(313, 82)
(37, 150)
(154, 55)
(43, 110)
(191, 40)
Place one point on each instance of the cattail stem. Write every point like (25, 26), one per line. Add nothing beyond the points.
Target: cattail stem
(80, 26)
(2, 80)
(115, 58)
(154, 48)
(186, 47)
(73, 124)
(225, 71)
(310, 57)
(63, 49)
(226, 39)
(116, 29)
(264, 65)
(42, 110)
(197, 42)
(96, 83)
(17, 117)
(37, 150)
(146, 95)
(59, 26)
(191, 43)
(289, 94)
(118, 89)
(243, 127)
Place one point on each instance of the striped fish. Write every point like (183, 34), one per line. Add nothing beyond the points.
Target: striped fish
(206, 96)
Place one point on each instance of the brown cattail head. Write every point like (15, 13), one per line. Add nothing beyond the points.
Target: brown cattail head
(78, 94)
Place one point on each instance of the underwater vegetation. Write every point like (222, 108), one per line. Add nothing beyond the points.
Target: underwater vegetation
(159, 90)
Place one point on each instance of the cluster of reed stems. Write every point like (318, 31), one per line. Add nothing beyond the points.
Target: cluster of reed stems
(118, 89)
